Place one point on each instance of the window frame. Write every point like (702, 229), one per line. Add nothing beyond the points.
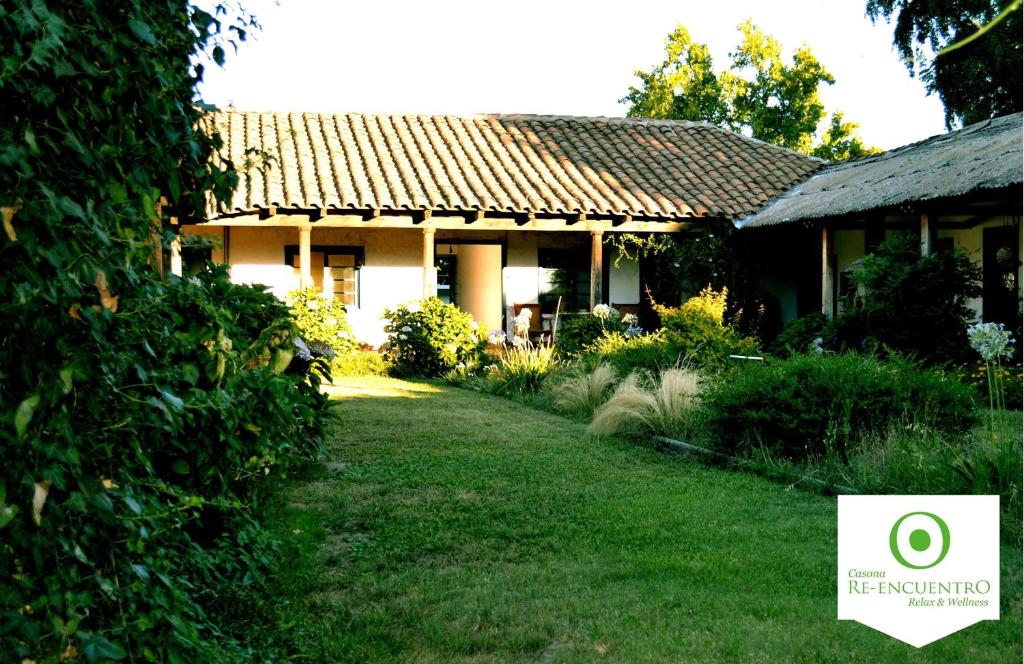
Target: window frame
(291, 251)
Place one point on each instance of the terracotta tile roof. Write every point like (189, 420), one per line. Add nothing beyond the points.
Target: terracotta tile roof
(986, 155)
(512, 164)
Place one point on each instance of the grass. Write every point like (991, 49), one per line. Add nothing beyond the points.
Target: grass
(448, 525)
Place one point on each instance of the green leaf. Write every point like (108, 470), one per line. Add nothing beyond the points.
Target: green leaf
(96, 648)
(190, 373)
(180, 467)
(173, 401)
(23, 415)
(67, 375)
(142, 31)
(7, 513)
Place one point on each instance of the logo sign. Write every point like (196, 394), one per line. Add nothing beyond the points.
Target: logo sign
(918, 568)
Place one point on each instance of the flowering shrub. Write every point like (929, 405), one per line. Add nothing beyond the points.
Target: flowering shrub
(430, 338)
(321, 319)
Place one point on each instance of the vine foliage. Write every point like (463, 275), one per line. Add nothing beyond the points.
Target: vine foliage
(137, 411)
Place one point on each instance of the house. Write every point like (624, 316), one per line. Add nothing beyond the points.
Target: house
(490, 212)
(961, 189)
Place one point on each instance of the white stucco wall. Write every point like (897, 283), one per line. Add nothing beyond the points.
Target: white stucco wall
(392, 273)
(623, 281)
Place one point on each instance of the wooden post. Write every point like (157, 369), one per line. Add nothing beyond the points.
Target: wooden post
(827, 273)
(157, 259)
(305, 271)
(176, 252)
(926, 234)
(596, 268)
(429, 270)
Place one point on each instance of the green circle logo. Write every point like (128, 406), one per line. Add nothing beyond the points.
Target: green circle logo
(920, 540)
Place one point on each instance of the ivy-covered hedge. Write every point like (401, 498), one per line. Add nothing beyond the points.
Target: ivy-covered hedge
(137, 411)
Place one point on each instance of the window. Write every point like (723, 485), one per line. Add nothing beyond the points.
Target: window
(564, 273)
(335, 270)
(446, 264)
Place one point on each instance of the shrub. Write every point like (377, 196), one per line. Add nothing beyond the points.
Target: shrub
(521, 369)
(140, 411)
(915, 305)
(799, 335)
(697, 331)
(360, 363)
(575, 332)
(668, 406)
(810, 406)
(141, 461)
(431, 338)
(651, 352)
(321, 319)
(582, 393)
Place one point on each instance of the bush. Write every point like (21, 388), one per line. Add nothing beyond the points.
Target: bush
(811, 406)
(321, 319)
(915, 305)
(668, 406)
(360, 363)
(431, 338)
(576, 331)
(697, 331)
(582, 393)
(650, 352)
(799, 335)
(138, 464)
(521, 369)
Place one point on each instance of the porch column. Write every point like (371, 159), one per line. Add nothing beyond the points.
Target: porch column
(429, 270)
(927, 234)
(176, 252)
(305, 270)
(596, 268)
(827, 273)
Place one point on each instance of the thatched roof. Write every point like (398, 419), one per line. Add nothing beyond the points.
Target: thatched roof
(986, 155)
(514, 164)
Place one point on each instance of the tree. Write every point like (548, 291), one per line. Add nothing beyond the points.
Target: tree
(761, 94)
(839, 142)
(978, 80)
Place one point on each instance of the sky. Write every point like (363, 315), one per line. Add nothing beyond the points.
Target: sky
(558, 57)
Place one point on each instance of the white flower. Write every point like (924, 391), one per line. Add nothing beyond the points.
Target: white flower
(332, 321)
(518, 341)
(631, 320)
(473, 325)
(402, 336)
(406, 328)
(312, 304)
(604, 312)
(991, 341)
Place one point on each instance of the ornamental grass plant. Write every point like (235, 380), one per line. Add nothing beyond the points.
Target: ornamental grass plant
(642, 404)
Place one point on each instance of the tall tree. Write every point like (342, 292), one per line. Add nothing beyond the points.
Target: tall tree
(761, 93)
(978, 80)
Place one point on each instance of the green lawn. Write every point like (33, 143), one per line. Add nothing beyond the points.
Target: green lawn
(451, 526)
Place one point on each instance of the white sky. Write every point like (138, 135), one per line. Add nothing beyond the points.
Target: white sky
(546, 56)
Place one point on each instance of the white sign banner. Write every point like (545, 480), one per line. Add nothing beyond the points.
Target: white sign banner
(918, 568)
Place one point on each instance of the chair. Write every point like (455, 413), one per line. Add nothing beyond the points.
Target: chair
(536, 326)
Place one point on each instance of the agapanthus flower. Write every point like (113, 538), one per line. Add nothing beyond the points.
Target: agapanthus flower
(991, 340)
(604, 312)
